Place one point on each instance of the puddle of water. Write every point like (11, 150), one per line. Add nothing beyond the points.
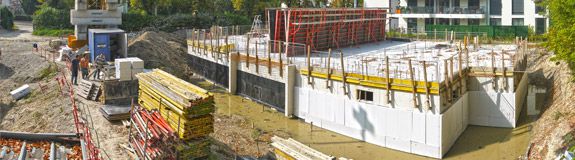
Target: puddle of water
(475, 143)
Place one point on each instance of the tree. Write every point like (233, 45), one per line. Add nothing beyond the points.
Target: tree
(29, 6)
(561, 35)
(6, 18)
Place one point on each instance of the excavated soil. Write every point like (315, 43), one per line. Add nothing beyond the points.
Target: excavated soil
(41, 111)
(161, 50)
(552, 130)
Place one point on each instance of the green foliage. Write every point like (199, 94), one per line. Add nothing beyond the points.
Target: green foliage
(48, 72)
(50, 18)
(561, 34)
(29, 6)
(136, 20)
(52, 32)
(6, 18)
(58, 4)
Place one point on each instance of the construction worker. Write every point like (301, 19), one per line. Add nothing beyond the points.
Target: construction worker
(84, 65)
(35, 47)
(75, 67)
(100, 62)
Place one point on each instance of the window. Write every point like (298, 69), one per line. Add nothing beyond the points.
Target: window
(411, 24)
(495, 7)
(365, 95)
(540, 25)
(495, 21)
(412, 3)
(443, 21)
(429, 21)
(517, 21)
(473, 22)
(455, 21)
(473, 3)
(539, 9)
(517, 7)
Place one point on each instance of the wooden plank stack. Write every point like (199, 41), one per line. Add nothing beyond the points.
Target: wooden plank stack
(186, 109)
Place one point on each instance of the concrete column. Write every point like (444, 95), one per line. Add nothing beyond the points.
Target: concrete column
(233, 72)
(506, 13)
(529, 13)
(290, 71)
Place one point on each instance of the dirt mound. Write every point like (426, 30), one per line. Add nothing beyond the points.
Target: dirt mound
(161, 50)
(555, 129)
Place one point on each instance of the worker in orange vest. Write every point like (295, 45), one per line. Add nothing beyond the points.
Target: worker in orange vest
(84, 66)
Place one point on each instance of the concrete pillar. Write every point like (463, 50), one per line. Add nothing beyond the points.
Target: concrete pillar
(506, 13)
(289, 89)
(233, 72)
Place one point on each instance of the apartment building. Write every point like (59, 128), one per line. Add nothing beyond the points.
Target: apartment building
(416, 14)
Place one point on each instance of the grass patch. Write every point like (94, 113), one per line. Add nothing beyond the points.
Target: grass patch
(52, 32)
(48, 72)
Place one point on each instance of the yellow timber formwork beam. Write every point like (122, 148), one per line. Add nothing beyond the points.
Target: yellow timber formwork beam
(221, 48)
(378, 82)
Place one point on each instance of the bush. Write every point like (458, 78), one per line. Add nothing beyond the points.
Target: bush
(136, 21)
(52, 32)
(50, 18)
(6, 18)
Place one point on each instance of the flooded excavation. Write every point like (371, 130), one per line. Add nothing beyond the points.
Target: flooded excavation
(476, 143)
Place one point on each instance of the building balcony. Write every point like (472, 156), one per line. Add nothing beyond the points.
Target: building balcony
(441, 12)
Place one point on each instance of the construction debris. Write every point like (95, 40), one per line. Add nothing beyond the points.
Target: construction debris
(20, 92)
(115, 113)
(292, 149)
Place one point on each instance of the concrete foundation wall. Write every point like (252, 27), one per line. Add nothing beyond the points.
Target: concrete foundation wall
(453, 122)
(217, 73)
(495, 104)
(407, 130)
(261, 89)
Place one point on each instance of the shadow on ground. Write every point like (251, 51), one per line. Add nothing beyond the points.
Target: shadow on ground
(5, 71)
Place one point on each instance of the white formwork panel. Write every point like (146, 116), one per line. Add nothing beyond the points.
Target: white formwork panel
(425, 150)
(419, 127)
(301, 101)
(375, 123)
(400, 130)
(433, 128)
(354, 115)
(491, 109)
(316, 104)
(465, 110)
(339, 109)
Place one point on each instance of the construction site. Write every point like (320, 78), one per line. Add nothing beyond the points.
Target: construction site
(299, 83)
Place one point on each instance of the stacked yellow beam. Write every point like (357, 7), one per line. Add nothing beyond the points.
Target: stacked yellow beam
(186, 107)
(222, 48)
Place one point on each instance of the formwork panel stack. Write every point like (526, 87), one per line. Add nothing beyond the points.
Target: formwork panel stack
(186, 109)
(325, 28)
